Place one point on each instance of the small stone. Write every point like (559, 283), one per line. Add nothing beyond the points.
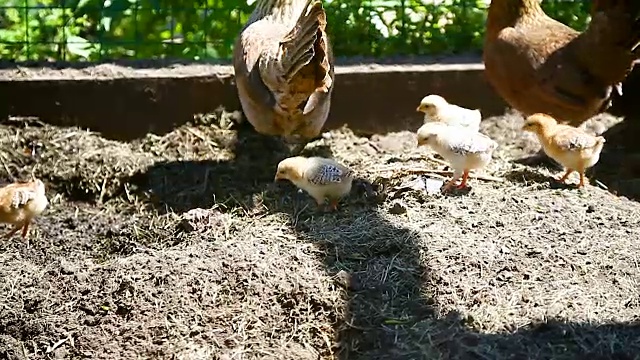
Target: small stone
(344, 279)
(67, 268)
(397, 208)
(433, 186)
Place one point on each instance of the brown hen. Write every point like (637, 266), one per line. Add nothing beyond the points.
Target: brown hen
(538, 64)
(284, 69)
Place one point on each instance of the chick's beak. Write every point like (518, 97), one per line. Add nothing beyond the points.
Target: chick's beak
(420, 108)
(420, 142)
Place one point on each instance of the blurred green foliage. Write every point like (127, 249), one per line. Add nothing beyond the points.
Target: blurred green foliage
(206, 29)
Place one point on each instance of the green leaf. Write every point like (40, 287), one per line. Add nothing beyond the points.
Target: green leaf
(83, 3)
(79, 46)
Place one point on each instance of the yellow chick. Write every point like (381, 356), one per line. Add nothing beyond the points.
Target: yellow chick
(436, 108)
(462, 148)
(573, 148)
(20, 203)
(321, 178)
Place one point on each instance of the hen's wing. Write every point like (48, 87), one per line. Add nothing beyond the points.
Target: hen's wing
(299, 64)
(541, 62)
(306, 42)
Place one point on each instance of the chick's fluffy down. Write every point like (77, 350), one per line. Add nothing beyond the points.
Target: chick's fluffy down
(572, 147)
(20, 203)
(464, 149)
(437, 109)
(321, 178)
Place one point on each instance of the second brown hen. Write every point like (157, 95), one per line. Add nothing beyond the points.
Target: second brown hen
(538, 64)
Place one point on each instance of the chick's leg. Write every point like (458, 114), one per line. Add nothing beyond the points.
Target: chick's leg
(583, 180)
(333, 204)
(452, 183)
(25, 230)
(565, 176)
(465, 177)
(320, 202)
(13, 231)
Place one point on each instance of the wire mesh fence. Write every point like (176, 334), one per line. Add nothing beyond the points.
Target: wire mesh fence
(80, 30)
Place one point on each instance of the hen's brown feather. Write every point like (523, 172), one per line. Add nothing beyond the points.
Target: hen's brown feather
(538, 64)
(284, 68)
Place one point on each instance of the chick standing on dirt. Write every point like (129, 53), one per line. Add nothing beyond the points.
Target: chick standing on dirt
(320, 177)
(20, 203)
(573, 148)
(464, 149)
(436, 108)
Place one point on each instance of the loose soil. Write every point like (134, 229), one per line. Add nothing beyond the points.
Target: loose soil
(181, 246)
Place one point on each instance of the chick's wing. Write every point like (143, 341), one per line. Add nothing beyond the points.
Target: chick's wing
(464, 143)
(17, 197)
(571, 139)
(324, 174)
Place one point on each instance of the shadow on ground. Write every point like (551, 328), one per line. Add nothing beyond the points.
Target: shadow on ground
(619, 165)
(392, 311)
(379, 266)
(245, 180)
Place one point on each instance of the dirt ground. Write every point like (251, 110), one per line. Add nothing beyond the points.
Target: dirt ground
(181, 246)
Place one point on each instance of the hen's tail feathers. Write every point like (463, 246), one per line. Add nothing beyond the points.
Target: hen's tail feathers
(626, 13)
(304, 43)
(609, 45)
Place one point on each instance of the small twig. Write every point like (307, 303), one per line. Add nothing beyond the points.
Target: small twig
(33, 172)
(103, 190)
(206, 181)
(6, 168)
(375, 146)
(199, 135)
(450, 173)
(24, 352)
(441, 162)
(57, 344)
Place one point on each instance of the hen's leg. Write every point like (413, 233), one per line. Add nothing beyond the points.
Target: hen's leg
(565, 176)
(465, 177)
